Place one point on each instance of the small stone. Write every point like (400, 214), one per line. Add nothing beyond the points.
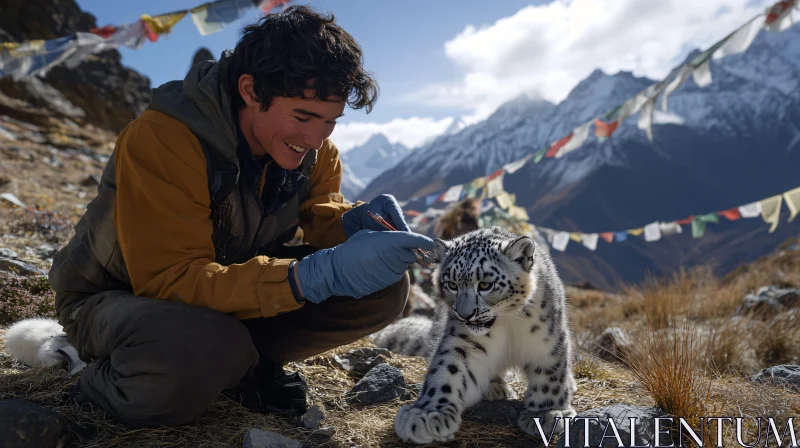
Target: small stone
(496, 412)
(381, 384)
(7, 253)
(313, 417)
(360, 361)
(769, 301)
(598, 420)
(328, 431)
(613, 345)
(24, 424)
(46, 251)
(786, 375)
(258, 438)
(18, 267)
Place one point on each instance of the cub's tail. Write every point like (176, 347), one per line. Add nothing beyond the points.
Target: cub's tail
(40, 342)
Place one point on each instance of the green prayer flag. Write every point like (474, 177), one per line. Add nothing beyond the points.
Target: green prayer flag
(699, 224)
(537, 157)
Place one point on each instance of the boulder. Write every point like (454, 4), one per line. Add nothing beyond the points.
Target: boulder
(787, 375)
(24, 424)
(382, 384)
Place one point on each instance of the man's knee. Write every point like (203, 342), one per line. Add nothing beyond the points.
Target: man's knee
(173, 367)
(393, 300)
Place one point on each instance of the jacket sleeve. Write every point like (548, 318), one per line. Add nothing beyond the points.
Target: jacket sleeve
(165, 233)
(321, 214)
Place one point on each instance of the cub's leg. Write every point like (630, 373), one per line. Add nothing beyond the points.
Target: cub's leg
(499, 390)
(458, 377)
(548, 397)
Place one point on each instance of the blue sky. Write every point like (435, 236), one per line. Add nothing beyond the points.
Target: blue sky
(437, 61)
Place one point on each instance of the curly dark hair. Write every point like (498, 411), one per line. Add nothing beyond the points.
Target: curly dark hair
(297, 49)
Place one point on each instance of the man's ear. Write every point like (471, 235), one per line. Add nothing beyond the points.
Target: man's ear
(247, 92)
(521, 251)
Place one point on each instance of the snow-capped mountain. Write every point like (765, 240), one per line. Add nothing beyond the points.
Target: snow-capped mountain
(372, 158)
(740, 142)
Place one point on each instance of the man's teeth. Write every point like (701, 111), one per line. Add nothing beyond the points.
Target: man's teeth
(295, 148)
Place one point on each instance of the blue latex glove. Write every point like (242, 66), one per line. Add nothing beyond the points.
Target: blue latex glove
(366, 263)
(385, 205)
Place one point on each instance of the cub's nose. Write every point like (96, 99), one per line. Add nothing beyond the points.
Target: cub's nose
(461, 317)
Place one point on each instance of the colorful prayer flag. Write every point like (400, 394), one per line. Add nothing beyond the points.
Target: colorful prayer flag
(670, 228)
(163, 23)
(778, 15)
(620, 236)
(636, 232)
(269, 5)
(590, 241)
(752, 210)
(792, 198)
(732, 214)
(538, 155)
(702, 74)
(652, 232)
(607, 236)
(513, 167)
(575, 236)
(555, 147)
(603, 130)
(453, 193)
(560, 241)
(739, 41)
(579, 136)
(683, 74)
(212, 17)
(495, 185)
(771, 211)
(699, 224)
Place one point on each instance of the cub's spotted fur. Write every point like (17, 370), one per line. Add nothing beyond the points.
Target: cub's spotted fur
(507, 310)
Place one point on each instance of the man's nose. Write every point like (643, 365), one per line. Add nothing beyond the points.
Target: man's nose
(314, 138)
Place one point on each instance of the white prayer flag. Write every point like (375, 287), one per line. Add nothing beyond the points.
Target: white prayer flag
(741, 39)
(752, 210)
(702, 74)
(652, 232)
(579, 136)
(513, 167)
(682, 75)
(495, 186)
(645, 122)
(453, 193)
(590, 240)
(670, 228)
(560, 241)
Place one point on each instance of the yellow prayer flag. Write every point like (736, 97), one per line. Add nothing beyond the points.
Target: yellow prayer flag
(575, 236)
(771, 211)
(518, 213)
(478, 183)
(636, 232)
(792, 198)
(9, 45)
(504, 200)
(163, 23)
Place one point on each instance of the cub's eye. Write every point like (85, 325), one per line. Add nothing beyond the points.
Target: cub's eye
(485, 286)
(451, 285)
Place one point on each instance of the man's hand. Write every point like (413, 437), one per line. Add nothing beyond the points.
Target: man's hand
(366, 263)
(385, 205)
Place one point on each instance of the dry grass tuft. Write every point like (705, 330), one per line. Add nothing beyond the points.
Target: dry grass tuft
(662, 300)
(777, 342)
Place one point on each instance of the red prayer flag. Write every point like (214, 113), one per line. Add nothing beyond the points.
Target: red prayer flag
(603, 129)
(104, 32)
(494, 175)
(557, 146)
(685, 222)
(608, 236)
(152, 36)
(777, 10)
(412, 212)
(732, 214)
(269, 5)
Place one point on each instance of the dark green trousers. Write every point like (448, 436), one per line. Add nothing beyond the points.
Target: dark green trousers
(158, 362)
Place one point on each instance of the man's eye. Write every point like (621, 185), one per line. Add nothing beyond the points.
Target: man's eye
(485, 286)
(302, 120)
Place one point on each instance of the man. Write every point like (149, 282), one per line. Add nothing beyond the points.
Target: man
(177, 285)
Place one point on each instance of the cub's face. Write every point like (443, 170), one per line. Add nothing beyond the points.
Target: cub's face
(484, 273)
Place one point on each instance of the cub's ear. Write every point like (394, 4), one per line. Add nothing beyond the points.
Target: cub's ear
(440, 249)
(521, 251)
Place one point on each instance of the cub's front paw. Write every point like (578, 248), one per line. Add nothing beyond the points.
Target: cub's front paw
(499, 390)
(416, 425)
(547, 419)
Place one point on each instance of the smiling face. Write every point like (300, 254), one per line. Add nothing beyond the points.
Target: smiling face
(290, 127)
(483, 274)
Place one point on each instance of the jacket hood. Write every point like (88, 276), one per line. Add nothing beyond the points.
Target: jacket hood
(202, 103)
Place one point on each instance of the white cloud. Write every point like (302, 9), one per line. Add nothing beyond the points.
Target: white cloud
(546, 50)
(411, 132)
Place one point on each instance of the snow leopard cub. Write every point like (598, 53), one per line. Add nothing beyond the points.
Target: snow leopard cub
(508, 310)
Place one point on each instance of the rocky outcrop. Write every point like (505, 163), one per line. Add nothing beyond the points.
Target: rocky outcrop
(100, 91)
